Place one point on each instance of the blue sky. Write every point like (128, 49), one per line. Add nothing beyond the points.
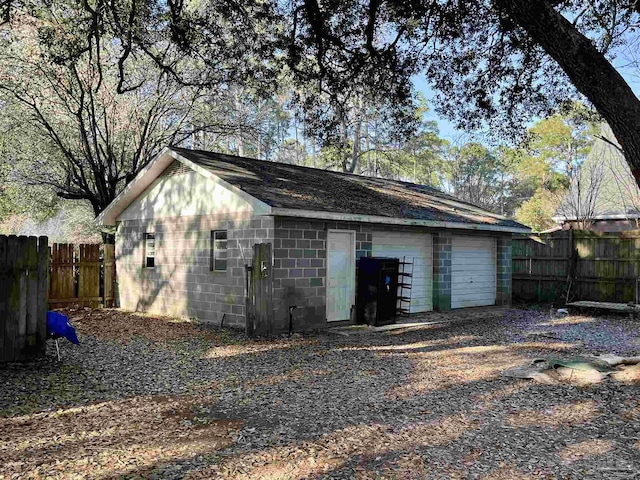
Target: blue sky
(447, 129)
(624, 64)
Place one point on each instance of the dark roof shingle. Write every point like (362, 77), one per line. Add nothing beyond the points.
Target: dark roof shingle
(304, 188)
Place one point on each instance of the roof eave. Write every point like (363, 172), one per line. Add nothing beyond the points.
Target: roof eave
(353, 217)
(616, 216)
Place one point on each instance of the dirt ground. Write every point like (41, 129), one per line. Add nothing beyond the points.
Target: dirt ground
(145, 397)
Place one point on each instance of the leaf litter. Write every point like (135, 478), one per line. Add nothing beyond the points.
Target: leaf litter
(147, 397)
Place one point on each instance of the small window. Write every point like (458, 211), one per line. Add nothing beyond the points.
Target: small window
(149, 250)
(219, 250)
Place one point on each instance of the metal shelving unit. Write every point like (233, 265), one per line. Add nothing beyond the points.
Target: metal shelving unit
(405, 278)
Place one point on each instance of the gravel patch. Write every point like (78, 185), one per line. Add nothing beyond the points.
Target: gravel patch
(184, 401)
(615, 334)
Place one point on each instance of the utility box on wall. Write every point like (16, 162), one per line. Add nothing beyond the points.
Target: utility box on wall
(377, 293)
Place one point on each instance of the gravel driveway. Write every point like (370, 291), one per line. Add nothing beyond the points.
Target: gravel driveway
(145, 397)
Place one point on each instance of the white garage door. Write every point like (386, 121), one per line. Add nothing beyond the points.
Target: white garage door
(473, 272)
(416, 248)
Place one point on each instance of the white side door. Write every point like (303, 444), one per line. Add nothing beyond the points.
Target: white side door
(415, 248)
(341, 274)
(473, 271)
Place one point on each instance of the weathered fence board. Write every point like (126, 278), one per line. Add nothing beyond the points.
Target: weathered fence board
(24, 266)
(82, 275)
(31, 274)
(89, 275)
(62, 273)
(4, 286)
(43, 285)
(589, 265)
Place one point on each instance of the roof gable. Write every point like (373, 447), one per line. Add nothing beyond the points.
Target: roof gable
(180, 191)
(152, 174)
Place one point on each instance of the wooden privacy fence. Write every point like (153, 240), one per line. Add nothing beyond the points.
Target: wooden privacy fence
(587, 265)
(24, 266)
(82, 275)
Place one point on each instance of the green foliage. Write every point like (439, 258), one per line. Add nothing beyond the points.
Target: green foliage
(85, 108)
(543, 166)
(421, 157)
(561, 142)
(16, 197)
(92, 92)
(537, 211)
(475, 173)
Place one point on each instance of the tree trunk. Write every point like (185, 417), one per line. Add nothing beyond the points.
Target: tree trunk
(355, 153)
(344, 154)
(240, 146)
(588, 69)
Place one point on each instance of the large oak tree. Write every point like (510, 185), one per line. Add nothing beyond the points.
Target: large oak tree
(495, 62)
(492, 62)
(92, 91)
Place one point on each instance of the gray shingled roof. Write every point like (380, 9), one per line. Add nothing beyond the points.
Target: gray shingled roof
(295, 187)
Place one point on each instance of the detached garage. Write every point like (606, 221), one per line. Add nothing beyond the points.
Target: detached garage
(188, 223)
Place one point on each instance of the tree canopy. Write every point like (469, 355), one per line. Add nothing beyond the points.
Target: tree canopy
(499, 62)
(90, 91)
(496, 62)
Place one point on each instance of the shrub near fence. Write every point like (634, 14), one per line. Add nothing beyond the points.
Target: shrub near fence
(601, 267)
(24, 269)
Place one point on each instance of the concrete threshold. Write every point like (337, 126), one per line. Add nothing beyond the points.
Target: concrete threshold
(361, 329)
(413, 325)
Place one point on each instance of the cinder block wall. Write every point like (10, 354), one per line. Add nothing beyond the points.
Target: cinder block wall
(504, 293)
(300, 269)
(182, 283)
(442, 271)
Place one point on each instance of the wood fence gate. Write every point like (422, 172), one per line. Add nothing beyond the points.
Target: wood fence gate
(82, 275)
(259, 301)
(24, 266)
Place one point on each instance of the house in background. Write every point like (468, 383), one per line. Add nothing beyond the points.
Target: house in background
(603, 196)
(187, 223)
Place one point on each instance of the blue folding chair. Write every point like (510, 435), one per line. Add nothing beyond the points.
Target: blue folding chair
(58, 326)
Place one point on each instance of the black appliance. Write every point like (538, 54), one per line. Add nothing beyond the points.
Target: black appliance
(377, 295)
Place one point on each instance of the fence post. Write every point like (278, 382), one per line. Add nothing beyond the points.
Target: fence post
(109, 275)
(5, 276)
(258, 290)
(13, 298)
(31, 294)
(249, 302)
(43, 292)
(21, 270)
(259, 317)
(572, 261)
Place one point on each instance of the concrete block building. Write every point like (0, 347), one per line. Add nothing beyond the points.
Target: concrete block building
(186, 226)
